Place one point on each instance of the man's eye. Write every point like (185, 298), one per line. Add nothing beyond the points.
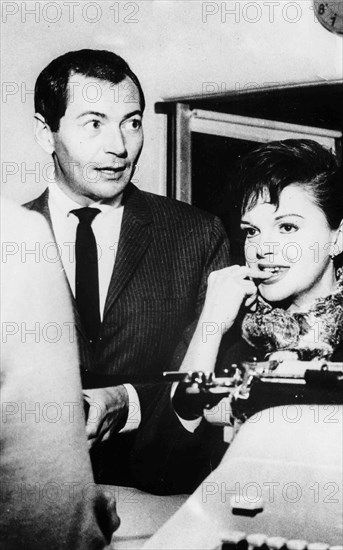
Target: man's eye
(288, 228)
(93, 124)
(133, 124)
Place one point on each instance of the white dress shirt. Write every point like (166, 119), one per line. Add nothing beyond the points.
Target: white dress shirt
(106, 228)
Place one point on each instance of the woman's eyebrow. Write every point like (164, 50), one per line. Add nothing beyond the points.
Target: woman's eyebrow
(290, 214)
(244, 222)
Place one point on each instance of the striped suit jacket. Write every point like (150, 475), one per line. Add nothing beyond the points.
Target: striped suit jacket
(165, 253)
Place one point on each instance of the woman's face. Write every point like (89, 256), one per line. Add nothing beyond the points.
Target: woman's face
(294, 243)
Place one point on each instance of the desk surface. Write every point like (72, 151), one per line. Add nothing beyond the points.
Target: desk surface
(141, 514)
(292, 456)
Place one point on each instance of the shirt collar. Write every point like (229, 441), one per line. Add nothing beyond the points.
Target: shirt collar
(65, 204)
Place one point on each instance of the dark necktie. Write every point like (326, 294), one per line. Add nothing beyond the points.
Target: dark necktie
(86, 273)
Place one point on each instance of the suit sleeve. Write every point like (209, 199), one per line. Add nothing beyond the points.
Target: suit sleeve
(167, 458)
(48, 493)
(217, 257)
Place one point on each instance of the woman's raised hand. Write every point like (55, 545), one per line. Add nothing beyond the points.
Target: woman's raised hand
(227, 290)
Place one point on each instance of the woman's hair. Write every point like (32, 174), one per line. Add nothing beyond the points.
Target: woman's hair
(266, 171)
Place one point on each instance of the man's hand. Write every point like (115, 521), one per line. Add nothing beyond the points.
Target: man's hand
(108, 410)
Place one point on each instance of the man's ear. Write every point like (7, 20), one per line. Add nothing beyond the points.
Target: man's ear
(43, 134)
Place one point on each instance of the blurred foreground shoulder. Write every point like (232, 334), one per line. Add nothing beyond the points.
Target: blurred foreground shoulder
(48, 494)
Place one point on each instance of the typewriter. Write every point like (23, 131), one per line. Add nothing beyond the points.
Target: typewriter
(279, 486)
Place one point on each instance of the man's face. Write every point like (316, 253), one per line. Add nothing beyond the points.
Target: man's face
(99, 139)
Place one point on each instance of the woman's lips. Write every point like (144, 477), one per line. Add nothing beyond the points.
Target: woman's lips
(277, 273)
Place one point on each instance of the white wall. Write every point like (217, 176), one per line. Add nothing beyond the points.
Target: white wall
(176, 47)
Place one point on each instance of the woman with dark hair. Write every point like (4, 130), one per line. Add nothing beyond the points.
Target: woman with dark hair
(287, 301)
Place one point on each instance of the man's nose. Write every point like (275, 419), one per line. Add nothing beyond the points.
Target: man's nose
(114, 142)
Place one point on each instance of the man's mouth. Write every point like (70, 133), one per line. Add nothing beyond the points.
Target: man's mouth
(110, 169)
(111, 172)
(276, 271)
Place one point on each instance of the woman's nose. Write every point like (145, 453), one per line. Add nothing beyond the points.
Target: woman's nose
(267, 248)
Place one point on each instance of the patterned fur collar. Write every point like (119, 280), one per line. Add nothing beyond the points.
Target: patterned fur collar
(310, 334)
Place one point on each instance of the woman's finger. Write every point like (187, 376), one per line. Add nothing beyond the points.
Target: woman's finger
(250, 300)
(256, 273)
(249, 287)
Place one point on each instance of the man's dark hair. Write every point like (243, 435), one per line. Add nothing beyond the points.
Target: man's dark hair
(51, 90)
(267, 170)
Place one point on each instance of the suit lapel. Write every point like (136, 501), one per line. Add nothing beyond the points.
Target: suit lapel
(135, 237)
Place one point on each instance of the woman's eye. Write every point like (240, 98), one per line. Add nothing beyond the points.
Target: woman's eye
(249, 232)
(288, 228)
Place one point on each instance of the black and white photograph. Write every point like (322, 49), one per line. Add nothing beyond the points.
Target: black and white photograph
(171, 275)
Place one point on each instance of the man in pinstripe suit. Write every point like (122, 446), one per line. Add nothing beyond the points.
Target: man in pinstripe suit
(154, 254)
